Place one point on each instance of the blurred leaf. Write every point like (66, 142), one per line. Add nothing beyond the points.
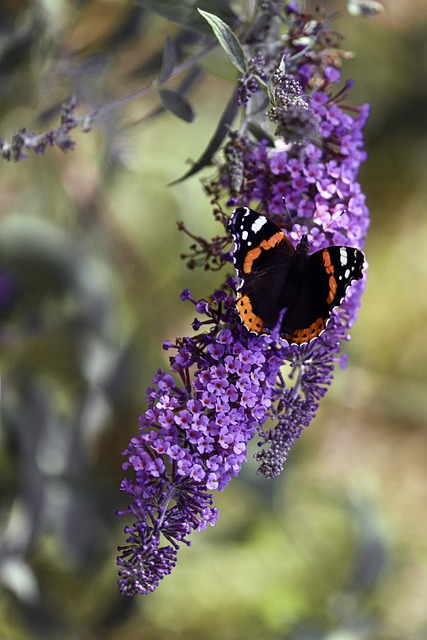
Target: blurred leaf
(41, 256)
(174, 102)
(168, 62)
(221, 131)
(185, 12)
(190, 79)
(20, 27)
(18, 576)
(33, 408)
(227, 39)
(262, 20)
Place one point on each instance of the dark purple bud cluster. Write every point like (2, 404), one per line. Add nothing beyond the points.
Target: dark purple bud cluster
(252, 81)
(22, 142)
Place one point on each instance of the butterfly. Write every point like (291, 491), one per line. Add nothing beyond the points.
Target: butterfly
(279, 282)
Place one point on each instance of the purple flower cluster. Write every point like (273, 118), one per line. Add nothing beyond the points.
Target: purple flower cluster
(194, 434)
(297, 399)
(318, 181)
(193, 438)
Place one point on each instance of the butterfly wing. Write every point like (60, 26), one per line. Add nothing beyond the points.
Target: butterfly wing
(262, 256)
(327, 276)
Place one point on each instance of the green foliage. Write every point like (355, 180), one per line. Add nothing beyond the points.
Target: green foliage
(174, 102)
(228, 40)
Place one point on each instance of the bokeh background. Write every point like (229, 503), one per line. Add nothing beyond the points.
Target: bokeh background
(89, 287)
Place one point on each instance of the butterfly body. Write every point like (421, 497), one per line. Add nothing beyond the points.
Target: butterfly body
(279, 282)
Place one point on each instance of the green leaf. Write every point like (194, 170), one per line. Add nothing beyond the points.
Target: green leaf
(221, 131)
(168, 62)
(227, 39)
(175, 103)
(184, 12)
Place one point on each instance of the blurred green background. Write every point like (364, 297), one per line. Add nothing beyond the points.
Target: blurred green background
(89, 250)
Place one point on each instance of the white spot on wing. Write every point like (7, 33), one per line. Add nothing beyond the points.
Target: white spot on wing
(258, 224)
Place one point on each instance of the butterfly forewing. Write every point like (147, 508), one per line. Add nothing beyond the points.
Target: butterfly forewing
(254, 235)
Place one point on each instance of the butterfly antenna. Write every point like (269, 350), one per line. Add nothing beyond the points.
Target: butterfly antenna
(334, 219)
(331, 223)
(325, 228)
(288, 213)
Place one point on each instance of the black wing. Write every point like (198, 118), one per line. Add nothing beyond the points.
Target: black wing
(262, 255)
(328, 274)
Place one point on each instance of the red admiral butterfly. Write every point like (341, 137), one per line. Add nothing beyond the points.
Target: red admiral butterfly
(277, 281)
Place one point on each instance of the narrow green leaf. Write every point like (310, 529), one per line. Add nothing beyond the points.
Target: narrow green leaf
(227, 39)
(168, 62)
(221, 131)
(175, 103)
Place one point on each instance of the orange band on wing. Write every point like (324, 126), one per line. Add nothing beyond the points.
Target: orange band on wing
(299, 336)
(254, 253)
(329, 267)
(248, 317)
